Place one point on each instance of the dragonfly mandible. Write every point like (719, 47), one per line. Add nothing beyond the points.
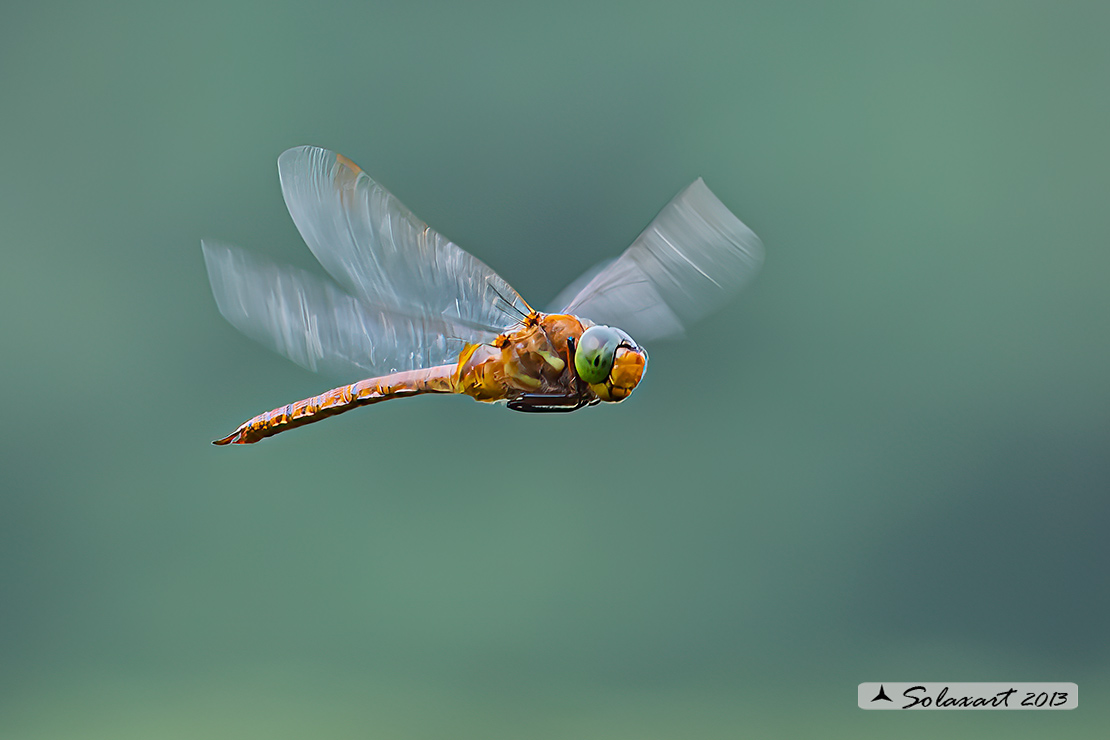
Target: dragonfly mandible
(420, 315)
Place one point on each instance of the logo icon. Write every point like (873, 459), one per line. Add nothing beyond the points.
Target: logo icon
(881, 696)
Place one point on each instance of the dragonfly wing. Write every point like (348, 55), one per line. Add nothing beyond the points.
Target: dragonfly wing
(567, 294)
(383, 254)
(689, 262)
(315, 323)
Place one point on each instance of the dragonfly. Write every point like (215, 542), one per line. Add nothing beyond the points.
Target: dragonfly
(419, 315)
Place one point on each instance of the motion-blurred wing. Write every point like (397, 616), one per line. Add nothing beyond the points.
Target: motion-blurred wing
(316, 324)
(383, 254)
(568, 294)
(691, 260)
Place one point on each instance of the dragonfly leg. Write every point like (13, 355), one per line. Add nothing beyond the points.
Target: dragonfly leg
(548, 403)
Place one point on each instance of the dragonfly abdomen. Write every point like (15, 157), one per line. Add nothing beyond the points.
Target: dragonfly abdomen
(439, 379)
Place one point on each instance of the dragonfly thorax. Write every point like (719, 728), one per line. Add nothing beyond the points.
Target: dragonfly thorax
(553, 355)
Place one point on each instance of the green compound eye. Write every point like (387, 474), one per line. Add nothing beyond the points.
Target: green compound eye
(593, 358)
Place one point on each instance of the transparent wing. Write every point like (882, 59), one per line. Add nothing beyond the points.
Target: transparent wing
(319, 326)
(567, 294)
(383, 254)
(691, 260)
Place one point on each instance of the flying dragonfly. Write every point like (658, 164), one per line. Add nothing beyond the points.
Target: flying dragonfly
(420, 315)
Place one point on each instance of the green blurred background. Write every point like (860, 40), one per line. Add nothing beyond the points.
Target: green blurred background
(889, 460)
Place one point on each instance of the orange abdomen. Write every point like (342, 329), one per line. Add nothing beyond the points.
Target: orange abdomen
(439, 379)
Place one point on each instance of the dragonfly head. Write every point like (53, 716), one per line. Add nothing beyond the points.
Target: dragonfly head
(610, 362)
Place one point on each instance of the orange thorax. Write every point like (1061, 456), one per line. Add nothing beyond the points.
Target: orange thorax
(531, 359)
